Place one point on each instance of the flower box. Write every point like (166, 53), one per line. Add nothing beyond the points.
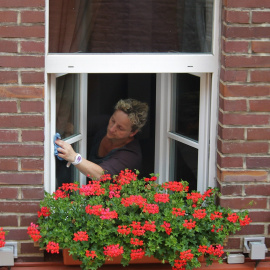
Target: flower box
(68, 260)
(137, 219)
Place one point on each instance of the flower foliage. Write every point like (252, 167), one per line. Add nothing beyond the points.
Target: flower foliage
(135, 217)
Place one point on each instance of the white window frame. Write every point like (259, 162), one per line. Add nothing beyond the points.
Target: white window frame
(164, 112)
(160, 63)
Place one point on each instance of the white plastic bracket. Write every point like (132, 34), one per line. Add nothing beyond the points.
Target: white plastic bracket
(255, 247)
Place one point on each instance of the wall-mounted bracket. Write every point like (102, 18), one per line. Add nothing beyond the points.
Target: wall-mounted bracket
(255, 247)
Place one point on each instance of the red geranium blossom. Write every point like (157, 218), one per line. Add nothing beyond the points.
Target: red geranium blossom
(80, 236)
(52, 247)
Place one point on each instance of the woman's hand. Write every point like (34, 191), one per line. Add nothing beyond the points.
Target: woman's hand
(65, 151)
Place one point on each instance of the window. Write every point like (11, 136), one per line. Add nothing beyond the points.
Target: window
(181, 87)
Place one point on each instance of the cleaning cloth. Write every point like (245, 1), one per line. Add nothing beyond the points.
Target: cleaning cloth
(57, 136)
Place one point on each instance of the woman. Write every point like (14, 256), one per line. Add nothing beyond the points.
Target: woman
(115, 148)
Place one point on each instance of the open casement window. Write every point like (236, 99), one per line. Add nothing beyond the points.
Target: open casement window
(68, 100)
(173, 43)
(183, 128)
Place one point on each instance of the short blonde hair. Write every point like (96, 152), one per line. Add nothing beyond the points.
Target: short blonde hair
(137, 112)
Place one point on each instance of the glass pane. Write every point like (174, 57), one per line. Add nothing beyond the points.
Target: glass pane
(184, 164)
(66, 174)
(186, 100)
(113, 26)
(67, 105)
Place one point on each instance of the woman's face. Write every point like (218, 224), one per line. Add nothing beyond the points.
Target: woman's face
(119, 126)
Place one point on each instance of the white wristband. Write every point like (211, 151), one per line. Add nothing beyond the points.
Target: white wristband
(78, 160)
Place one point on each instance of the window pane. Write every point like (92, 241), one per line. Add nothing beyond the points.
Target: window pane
(184, 164)
(113, 26)
(66, 174)
(186, 100)
(67, 105)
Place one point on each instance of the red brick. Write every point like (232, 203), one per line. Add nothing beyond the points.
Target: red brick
(27, 219)
(21, 92)
(260, 190)
(32, 16)
(244, 147)
(8, 106)
(245, 31)
(247, 3)
(21, 178)
(243, 176)
(22, 61)
(258, 162)
(17, 234)
(231, 133)
(8, 46)
(32, 165)
(260, 105)
(260, 17)
(20, 121)
(8, 135)
(8, 77)
(260, 46)
(32, 47)
(8, 193)
(231, 190)
(32, 106)
(244, 203)
(9, 220)
(8, 16)
(233, 75)
(32, 193)
(30, 248)
(235, 46)
(233, 105)
(32, 77)
(260, 216)
(233, 243)
(247, 62)
(24, 3)
(8, 164)
(243, 119)
(22, 31)
(251, 230)
(260, 76)
(18, 150)
(258, 133)
(32, 135)
(235, 16)
(245, 90)
(230, 162)
(19, 207)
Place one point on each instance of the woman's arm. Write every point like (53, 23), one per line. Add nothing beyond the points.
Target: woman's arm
(86, 167)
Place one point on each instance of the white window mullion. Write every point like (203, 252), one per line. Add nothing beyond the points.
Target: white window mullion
(83, 121)
(52, 120)
(162, 141)
(204, 123)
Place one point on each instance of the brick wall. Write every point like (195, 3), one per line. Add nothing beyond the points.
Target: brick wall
(22, 35)
(244, 130)
(243, 136)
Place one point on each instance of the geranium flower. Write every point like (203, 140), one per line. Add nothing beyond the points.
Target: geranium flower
(189, 224)
(162, 197)
(80, 236)
(52, 247)
(136, 254)
(33, 232)
(44, 211)
(113, 250)
(91, 254)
